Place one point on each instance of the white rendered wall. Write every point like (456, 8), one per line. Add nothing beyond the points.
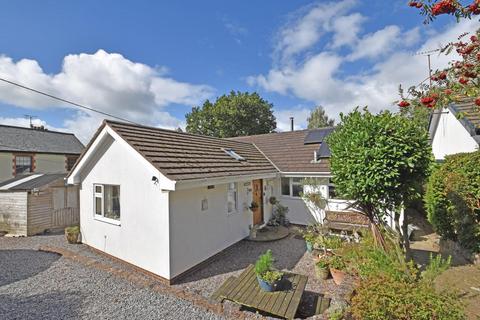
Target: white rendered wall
(50, 163)
(142, 238)
(196, 234)
(451, 137)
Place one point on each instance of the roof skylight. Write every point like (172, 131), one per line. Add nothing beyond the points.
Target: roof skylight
(233, 154)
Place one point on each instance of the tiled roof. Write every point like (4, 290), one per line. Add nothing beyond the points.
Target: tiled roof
(468, 111)
(288, 152)
(182, 156)
(20, 139)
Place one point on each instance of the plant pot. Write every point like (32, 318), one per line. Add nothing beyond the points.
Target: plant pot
(72, 236)
(321, 272)
(268, 287)
(309, 246)
(337, 275)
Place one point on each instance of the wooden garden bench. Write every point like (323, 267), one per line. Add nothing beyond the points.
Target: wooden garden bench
(345, 220)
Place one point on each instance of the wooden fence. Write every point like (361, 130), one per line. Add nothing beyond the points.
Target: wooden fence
(65, 217)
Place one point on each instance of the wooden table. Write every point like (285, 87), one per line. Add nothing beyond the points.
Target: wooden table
(245, 290)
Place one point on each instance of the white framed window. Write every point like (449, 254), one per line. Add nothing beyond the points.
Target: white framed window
(292, 187)
(232, 197)
(106, 201)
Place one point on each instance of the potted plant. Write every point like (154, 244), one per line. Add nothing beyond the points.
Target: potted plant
(268, 278)
(321, 269)
(337, 269)
(310, 237)
(72, 234)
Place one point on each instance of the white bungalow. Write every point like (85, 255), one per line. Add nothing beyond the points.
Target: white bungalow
(455, 129)
(166, 201)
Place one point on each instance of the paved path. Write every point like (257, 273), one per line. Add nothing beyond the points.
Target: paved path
(41, 285)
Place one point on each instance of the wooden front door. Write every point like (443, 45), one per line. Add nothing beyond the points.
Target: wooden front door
(258, 199)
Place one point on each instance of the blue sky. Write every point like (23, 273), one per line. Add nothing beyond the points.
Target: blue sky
(151, 61)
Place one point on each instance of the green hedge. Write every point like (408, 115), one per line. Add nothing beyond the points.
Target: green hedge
(452, 199)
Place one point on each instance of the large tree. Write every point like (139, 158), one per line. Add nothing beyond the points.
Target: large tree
(379, 161)
(319, 119)
(233, 115)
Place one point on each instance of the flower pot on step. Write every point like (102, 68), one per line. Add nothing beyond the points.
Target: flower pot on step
(321, 272)
(337, 275)
(268, 287)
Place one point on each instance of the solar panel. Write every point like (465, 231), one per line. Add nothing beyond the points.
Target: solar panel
(317, 135)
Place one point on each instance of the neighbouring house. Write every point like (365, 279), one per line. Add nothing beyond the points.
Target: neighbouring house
(455, 129)
(36, 150)
(166, 201)
(33, 203)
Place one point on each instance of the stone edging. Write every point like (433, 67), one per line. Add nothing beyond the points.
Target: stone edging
(152, 283)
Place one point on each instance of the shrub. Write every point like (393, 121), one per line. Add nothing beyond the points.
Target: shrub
(384, 297)
(264, 263)
(452, 199)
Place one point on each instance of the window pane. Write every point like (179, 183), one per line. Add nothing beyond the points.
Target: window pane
(98, 189)
(286, 186)
(23, 164)
(232, 197)
(98, 205)
(111, 202)
(297, 190)
(297, 180)
(331, 192)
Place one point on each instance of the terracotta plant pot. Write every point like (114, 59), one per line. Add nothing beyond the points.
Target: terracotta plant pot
(337, 275)
(321, 272)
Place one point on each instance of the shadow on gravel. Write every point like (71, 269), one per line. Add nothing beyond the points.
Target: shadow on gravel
(16, 265)
(55, 305)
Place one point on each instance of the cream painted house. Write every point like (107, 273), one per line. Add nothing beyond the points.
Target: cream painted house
(36, 150)
(455, 129)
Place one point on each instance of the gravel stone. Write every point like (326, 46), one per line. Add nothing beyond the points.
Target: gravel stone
(42, 285)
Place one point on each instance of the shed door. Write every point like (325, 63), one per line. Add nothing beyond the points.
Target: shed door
(258, 199)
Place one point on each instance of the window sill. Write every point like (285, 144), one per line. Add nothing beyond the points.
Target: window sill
(107, 220)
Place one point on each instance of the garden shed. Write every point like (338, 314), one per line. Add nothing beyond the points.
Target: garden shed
(35, 203)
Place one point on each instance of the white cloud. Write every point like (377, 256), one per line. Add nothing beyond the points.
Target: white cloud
(108, 82)
(317, 71)
(301, 33)
(346, 29)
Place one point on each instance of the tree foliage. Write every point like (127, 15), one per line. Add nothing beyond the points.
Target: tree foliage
(236, 114)
(452, 199)
(319, 119)
(379, 160)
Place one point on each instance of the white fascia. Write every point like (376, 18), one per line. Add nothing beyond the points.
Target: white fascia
(190, 184)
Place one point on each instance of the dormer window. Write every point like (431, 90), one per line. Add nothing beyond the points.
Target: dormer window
(233, 154)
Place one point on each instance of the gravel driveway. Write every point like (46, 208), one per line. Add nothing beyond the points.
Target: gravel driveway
(42, 285)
